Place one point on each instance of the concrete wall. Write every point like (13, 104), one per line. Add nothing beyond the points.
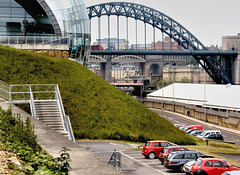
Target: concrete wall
(226, 119)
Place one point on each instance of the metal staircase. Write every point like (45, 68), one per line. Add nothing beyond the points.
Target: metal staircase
(48, 112)
(45, 103)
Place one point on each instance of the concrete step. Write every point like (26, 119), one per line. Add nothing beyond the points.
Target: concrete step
(49, 113)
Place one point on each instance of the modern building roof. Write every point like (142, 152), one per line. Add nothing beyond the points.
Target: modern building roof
(210, 95)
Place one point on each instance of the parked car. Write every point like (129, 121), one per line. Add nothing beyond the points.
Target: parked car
(176, 160)
(182, 128)
(191, 130)
(153, 148)
(204, 133)
(213, 136)
(187, 166)
(179, 125)
(165, 151)
(211, 166)
(236, 172)
(193, 127)
(196, 132)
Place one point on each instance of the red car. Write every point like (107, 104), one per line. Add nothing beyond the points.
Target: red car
(193, 127)
(153, 148)
(168, 150)
(211, 166)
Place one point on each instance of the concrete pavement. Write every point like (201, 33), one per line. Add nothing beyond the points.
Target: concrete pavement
(82, 160)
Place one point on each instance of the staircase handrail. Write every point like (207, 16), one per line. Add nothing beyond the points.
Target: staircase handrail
(70, 128)
(32, 104)
(67, 124)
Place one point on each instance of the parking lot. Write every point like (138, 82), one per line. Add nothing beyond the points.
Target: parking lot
(133, 162)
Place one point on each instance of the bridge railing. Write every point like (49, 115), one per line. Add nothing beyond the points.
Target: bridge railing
(33, 40)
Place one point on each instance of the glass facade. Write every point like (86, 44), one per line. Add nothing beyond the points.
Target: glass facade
(16, 21)
(61, 18)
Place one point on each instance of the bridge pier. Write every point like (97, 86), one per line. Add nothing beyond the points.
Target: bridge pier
(236, 70)
(106, 69)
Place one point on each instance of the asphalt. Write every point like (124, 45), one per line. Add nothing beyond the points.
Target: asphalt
(82, 160)
(234, 131)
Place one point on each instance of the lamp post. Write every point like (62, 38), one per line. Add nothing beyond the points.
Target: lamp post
(141, 84)
(173, 88)
(162, 96)
(205, 109)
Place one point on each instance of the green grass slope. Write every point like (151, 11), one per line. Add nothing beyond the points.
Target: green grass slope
(96, 109)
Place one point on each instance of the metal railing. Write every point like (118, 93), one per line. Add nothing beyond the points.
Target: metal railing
(27, 93)
(113, 158)
(4, 90)
(66, 119)
(33, 40)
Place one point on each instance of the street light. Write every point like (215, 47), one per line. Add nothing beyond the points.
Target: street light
(162, 96)
(205, 109)
(173, 86)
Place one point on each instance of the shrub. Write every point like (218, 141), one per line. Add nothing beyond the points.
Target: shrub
(18, 137)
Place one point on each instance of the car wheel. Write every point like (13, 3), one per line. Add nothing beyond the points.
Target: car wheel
(181, 168)
(151, 155)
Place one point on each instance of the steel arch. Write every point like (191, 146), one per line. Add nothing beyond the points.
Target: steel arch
(96, 59)
(128, 59)
(148, 15)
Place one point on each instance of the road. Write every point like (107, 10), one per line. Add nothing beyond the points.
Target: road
(132, 161)
(176, 119)
(228, 136)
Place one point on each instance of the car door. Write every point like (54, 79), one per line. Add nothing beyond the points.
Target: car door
(157, 148)
(219, 167)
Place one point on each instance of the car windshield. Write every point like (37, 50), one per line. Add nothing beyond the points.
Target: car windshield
(199, 162)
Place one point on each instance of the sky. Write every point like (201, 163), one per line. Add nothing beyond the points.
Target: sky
(208, 20)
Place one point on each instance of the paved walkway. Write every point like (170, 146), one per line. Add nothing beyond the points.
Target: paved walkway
(83, 161)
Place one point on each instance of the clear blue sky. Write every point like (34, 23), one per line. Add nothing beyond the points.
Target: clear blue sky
(208, 20)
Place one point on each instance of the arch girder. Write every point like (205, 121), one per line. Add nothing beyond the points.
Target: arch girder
(128, 59)
(96, 59)
(153, 17)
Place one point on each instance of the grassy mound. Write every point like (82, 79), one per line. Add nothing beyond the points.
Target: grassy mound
(96, 109)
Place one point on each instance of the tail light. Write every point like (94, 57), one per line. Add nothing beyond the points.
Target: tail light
(170, 162)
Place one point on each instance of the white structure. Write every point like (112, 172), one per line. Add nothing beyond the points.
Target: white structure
(210, 95)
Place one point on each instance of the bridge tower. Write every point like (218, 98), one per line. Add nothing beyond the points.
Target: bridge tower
(233, 43)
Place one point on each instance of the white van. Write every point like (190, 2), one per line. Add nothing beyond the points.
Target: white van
(204, 133)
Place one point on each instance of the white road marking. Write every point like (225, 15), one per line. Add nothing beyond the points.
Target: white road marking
(144, 164)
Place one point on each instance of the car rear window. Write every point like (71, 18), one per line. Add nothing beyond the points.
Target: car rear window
(147, 144)
(164, 150)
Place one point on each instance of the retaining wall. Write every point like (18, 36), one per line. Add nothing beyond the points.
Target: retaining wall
(227, 119)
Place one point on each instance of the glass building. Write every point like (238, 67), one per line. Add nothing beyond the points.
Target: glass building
(66, 19)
